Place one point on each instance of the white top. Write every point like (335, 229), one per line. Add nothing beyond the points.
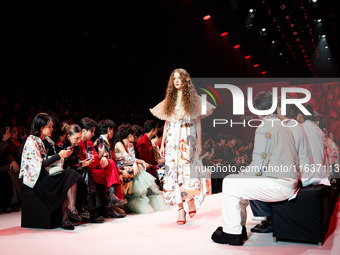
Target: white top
(274, 152)
(320, 168)
(304, 152)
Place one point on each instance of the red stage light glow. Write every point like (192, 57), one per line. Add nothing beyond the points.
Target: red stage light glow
(237, 46)
(224, 33)
(256, 65)
(206, 17)
(264, 72)
(246, 57)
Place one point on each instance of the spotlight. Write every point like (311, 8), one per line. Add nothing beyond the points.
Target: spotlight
(256, 65)
(236, 46)
(246, 57)
(206, 17)
(264, 72)
(263, 29)
(314, 1)
(251, 10)
(323, 36)
(326, 47)
(273, 42)
(319, 20)
(224, 33)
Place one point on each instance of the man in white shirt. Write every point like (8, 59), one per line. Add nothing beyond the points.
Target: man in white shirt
(263, 209)
(271, 176)
(309, 143)
(319, 172)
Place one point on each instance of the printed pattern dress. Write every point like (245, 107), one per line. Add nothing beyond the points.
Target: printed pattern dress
(181, 180)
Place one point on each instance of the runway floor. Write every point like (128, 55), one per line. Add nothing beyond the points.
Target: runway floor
(150, 234)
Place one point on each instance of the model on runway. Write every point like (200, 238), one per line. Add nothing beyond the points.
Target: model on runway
(181, 144)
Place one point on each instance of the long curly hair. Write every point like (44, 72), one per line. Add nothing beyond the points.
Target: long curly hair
(123, 131)
(188, 90)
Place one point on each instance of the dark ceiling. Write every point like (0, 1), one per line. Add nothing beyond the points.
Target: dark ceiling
(132, 46)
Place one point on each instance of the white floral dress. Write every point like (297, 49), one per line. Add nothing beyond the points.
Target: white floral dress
(181, 182)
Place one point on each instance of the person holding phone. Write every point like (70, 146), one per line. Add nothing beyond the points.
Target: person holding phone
(109, 173)
(104, 170)
(57, 191)
(9, 169)
(88, 201)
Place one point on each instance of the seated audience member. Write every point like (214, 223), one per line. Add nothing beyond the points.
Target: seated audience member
(332, 150)
(316, 139)
(144, 147)
(14, 146)
(88, 201)
(103, 167)
(138, 133)
(231, 155)
(62, 133)
(274, 146)
(144, 196)
(249, 151)
(106, 131)
(156, 142)
(219, 158)
(220, 155)
(39, 158)
(302, 145)
(207, 150)
(9, 167)
(207, 154)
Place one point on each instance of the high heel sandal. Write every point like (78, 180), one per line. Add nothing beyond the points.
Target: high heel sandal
(193, 212)
(73, 214)
(67, 224)
(182, 222)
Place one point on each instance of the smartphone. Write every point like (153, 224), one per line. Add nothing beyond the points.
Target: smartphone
(89, 152)
(100, 143)
(161, 165)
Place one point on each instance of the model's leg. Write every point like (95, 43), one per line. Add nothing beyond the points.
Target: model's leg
(181, 214)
